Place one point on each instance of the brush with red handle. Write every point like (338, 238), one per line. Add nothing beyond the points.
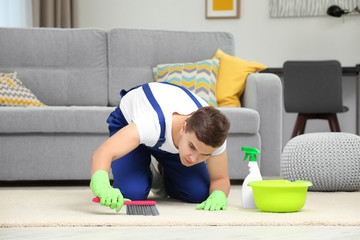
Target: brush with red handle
(146, 207)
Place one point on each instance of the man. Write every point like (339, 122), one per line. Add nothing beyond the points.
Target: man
(187, 138)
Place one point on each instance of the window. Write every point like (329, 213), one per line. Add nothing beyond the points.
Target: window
(16, 13)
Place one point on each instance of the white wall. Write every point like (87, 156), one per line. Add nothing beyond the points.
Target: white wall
(259, 38)
(268, 40)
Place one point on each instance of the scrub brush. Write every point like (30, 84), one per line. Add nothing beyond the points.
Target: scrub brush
(146, 207)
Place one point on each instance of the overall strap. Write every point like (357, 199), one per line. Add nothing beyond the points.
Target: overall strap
(156, 107)
(160, 114)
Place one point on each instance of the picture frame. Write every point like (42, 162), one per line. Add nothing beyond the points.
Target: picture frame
(222, 9)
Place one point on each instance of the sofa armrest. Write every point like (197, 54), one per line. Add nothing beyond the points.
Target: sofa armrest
(263, 93)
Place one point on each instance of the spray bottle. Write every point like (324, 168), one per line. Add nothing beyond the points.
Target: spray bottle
(247, 197)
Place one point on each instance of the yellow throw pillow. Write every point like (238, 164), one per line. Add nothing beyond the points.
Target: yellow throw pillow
(232, 75)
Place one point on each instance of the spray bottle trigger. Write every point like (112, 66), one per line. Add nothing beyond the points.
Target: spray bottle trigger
(251, 153)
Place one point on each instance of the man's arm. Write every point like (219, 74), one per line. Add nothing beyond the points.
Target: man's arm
(118, 145)
(218, 171)
(219, 184)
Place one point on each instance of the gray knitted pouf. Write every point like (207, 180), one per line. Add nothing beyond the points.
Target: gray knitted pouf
(331, 161)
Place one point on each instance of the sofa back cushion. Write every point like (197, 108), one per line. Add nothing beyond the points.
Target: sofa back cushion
(60, 66)
(134, 52)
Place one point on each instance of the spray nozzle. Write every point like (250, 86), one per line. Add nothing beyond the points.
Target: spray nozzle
(251, 153)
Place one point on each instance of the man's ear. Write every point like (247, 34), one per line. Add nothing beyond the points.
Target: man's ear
(183, 127)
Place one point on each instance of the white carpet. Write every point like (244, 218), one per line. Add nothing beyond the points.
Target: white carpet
(72, 206)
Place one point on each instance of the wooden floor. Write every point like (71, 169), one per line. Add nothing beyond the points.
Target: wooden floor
(169, 233)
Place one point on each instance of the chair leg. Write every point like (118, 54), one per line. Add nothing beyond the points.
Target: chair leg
(303, 123)
(302, 118)
(299, 125)
(333, 122)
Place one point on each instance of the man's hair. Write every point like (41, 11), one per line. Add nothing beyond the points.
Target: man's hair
(210, 126)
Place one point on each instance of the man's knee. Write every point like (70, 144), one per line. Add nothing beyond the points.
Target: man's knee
(195, 193)
(135, 195)
(134, 190)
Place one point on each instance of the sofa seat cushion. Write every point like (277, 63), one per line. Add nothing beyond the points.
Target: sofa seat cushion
(54, 119)
(243, 120)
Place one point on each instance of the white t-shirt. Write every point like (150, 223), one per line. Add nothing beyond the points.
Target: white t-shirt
(137, 109)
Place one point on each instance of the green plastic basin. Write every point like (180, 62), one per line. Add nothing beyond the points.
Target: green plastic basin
(280, 195)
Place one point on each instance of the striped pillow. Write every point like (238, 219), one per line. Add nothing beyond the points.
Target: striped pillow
(11, 78)
(14, 93)
(199, 77)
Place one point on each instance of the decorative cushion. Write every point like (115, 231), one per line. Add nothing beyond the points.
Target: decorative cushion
(232, 76)
(199, 77)
(11, 78)
(14, 93)
(331, 161)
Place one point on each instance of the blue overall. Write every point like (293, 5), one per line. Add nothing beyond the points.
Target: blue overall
(132, 173)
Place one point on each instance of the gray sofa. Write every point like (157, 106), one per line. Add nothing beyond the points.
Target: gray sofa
(78, 74)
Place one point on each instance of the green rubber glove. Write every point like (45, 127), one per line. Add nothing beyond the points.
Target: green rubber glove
(109, 196)
(215, 202)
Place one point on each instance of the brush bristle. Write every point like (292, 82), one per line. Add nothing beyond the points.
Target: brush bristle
(146, 210)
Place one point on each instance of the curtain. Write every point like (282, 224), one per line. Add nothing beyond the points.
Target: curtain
(53, 13)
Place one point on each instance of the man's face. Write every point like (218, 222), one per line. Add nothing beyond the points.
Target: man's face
(191, 150)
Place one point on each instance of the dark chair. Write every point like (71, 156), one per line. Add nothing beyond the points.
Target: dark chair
(313, 89)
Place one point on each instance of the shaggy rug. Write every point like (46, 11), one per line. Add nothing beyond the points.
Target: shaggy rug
(72, 206)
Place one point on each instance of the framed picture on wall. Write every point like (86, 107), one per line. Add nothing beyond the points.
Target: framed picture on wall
(222, 9)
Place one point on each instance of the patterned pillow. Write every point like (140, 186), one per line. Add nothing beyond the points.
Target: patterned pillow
(14, 93)
(199, 77)
(11, 78)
